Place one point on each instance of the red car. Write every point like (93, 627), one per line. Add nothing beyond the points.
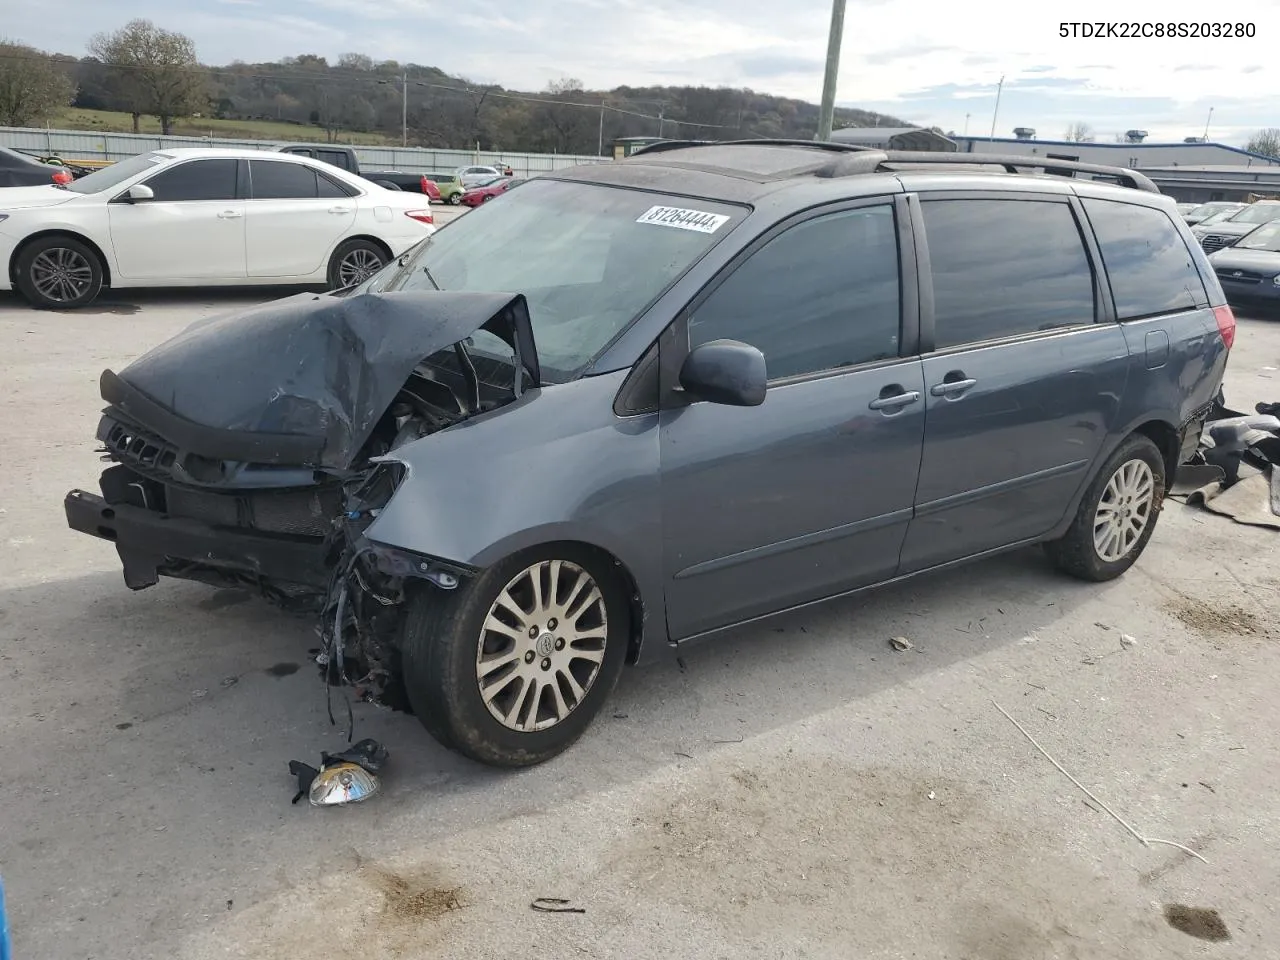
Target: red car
(428, 186)
(488, 190)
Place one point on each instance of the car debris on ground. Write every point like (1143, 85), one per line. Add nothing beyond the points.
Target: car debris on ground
(1233, 472)
(347, 777)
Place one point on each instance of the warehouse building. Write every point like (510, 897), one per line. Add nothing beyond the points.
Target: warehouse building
(1194, 171)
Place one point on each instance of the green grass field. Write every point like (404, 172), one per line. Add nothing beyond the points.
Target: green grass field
(106, 121)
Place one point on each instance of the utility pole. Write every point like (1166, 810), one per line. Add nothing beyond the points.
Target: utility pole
(661, 112)
(826, 115)
(966, 124)
(404, 106)
(996, 112)
(600, 139)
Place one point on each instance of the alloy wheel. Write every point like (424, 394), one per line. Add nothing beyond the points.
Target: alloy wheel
(358, 266)
(61, 274)
(541, 646)
(1124, 511)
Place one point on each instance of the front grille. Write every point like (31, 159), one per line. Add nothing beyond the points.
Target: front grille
(145, 452)
(1239, 276)
(307, 513)
(1216, 241)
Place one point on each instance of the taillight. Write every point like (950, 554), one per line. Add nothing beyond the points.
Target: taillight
(1226, 324)
(62, 177)
(422, 216)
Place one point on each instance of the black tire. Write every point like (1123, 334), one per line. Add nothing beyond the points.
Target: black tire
(84, 273)
(441, 644)
(353, 257)
(455, 199)
(1077, 553)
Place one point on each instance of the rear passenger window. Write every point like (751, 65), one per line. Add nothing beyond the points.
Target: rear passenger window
(276, 180)
(1002, 268)
(331, 188)
(821, 295)
(1148, 263)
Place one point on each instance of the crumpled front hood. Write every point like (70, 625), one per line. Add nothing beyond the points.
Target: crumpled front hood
(303, 381)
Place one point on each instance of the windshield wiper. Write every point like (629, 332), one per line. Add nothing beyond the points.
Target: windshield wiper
(427, 273)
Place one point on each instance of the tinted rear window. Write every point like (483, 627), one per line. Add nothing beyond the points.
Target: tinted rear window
(1002, 268)
(1152, 271)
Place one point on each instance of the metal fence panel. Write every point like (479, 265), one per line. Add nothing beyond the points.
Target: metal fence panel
(77, 145)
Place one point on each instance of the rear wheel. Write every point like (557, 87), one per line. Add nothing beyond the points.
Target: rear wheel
(1117, 515)
(455, 199)
(511, 669)
(59, 273)
(355, 262)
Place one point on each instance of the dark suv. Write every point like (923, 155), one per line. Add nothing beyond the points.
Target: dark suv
(703, 385)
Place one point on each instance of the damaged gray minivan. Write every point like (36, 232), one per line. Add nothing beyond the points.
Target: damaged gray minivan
(694, 388)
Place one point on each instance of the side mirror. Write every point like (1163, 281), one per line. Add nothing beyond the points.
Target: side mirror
(139, 192)
(725, 371)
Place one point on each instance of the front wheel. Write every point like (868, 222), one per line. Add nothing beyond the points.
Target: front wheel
(59, 273)
(512, 668)
(455, 199)
(1117, 515)
(354, 262)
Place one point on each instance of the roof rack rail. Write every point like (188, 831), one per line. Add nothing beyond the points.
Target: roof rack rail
(826, 145)
(1013, 164)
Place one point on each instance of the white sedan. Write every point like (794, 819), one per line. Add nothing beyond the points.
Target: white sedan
(202, 217)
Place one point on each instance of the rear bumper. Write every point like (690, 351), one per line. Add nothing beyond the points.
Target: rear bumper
(150, 542)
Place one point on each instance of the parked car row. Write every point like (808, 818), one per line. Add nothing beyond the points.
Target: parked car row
(202, 217)
(1219, 232)
(1203, 212)
(487, 190)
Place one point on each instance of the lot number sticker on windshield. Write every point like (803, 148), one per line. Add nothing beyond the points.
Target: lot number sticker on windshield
(683, 219)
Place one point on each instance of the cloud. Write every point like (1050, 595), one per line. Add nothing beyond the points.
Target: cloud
(933, 68)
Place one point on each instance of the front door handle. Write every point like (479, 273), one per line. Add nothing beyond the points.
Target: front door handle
(894, 401)
(951, 388)
(339, 209)
(230, 215)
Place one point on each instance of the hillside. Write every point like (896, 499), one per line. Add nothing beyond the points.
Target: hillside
(357, 100)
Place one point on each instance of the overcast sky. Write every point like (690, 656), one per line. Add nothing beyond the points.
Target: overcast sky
(936, 62)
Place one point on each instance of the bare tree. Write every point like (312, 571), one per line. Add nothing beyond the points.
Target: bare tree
(1265, 142)
(32, 86)
(154, 70)
(1079, 132)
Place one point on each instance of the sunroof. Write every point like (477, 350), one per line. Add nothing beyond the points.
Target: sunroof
(758, 162)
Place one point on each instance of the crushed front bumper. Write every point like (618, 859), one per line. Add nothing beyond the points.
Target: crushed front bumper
(152, 544)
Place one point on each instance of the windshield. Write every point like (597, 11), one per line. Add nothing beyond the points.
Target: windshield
(1258, 213)
(1266, 237)
(117, 173)
(1219, 216)
(1209, 209)
(587, 258)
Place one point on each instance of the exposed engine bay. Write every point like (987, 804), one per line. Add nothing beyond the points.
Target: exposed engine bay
(252, 452)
